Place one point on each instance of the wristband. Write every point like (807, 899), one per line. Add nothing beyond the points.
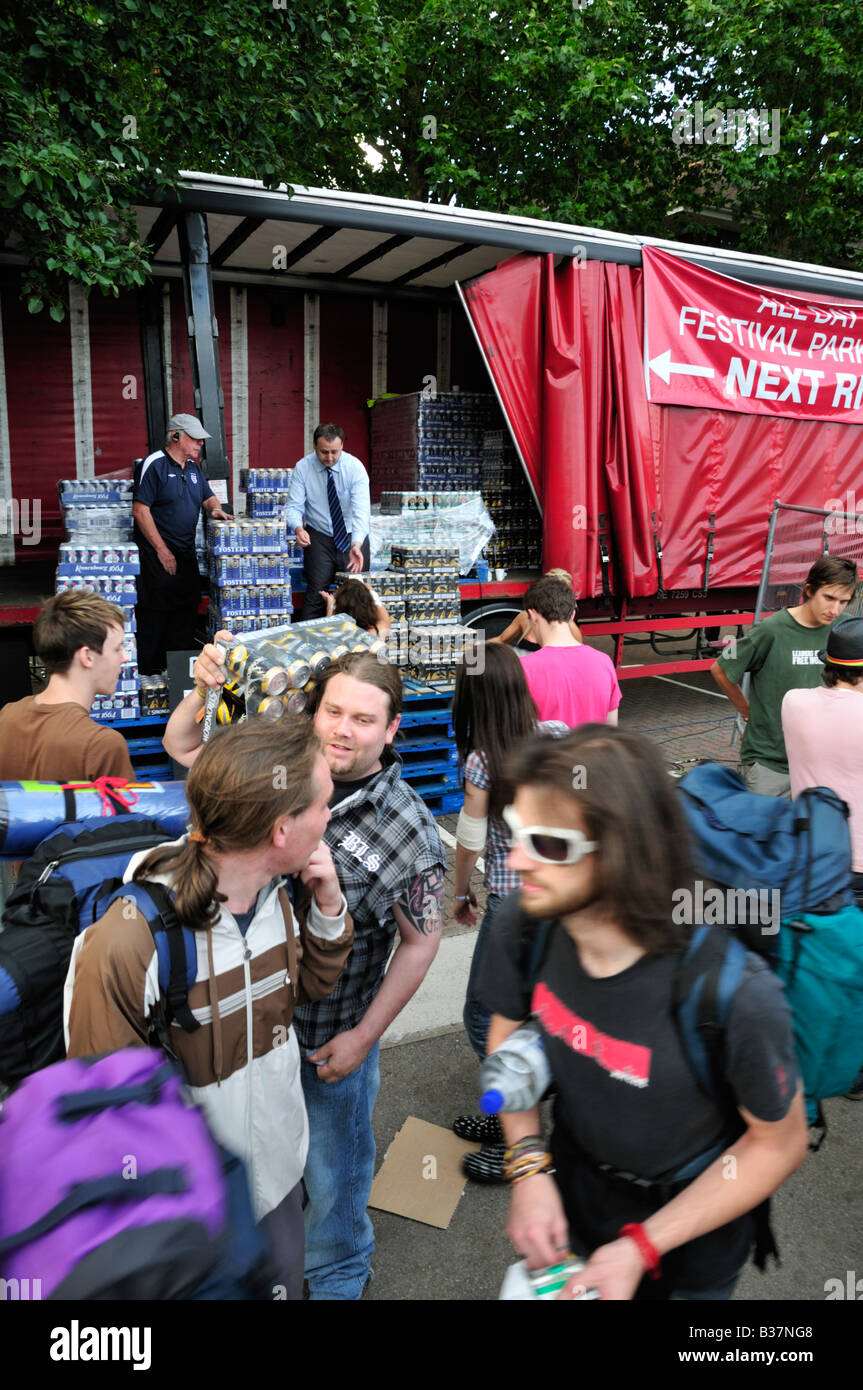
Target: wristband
(459, 897)
(646, 1249)
(202, 690)
(527, 1166)
(525, 1159)
(530, 1141)
(545, 1168)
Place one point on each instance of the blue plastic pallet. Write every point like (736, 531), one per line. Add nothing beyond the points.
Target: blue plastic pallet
(421, 690)
(422, 741)
(410, 771)
(436, 760)
(159, 772)
(426, 783)
(141, 746)
(441, 753)
(417, 719)
(445, 804)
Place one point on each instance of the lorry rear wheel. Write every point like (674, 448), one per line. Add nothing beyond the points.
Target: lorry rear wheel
(491, 619)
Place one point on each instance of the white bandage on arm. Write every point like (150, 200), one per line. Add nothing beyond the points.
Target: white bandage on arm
(470, 832)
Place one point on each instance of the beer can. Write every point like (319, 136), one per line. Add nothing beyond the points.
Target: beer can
(271, 680)
(318, 659)
(272, 708)
(299, 673)
(236, 658)
(296, 701)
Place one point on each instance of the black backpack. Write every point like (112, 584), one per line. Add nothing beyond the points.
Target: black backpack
(65, 887)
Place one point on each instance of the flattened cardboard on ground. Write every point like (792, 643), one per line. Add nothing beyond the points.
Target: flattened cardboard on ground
(421, 1176)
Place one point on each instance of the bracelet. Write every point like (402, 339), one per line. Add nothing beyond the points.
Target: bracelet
(528, 1168)
(646, 1249)
(526, 1158)
(530, 1141)
(202, 691)
(460, 897)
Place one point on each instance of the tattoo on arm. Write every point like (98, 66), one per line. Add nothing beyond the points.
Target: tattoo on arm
(424, 904)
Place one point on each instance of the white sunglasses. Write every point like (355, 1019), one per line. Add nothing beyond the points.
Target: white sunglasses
(549, 844)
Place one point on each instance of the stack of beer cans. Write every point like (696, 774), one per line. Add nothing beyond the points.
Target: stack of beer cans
(99, 554)
(273, 673)
(250, 573)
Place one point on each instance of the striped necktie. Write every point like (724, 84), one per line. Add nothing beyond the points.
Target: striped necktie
(340, 532)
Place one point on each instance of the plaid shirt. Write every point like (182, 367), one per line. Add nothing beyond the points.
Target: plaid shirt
(498, 878)
(381, 839)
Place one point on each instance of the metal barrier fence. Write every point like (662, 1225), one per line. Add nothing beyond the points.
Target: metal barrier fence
(796, 538)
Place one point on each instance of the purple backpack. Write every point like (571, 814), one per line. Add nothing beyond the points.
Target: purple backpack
(111, 1186)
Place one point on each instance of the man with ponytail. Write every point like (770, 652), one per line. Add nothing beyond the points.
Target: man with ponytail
(391, 866)
(259, 800)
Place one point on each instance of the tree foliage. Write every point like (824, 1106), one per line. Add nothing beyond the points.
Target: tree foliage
(563, 109)
(548, 109)
(568, 109)
(802, 65)
(105, 101)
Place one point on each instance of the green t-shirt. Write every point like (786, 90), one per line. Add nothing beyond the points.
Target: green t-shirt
(781, 655)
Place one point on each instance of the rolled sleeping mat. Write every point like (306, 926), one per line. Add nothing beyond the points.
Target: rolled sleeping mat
(31, 810)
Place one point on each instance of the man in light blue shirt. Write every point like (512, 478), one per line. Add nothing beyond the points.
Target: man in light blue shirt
(329, 510)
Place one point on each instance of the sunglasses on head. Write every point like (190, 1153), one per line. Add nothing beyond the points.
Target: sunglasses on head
(548, 844)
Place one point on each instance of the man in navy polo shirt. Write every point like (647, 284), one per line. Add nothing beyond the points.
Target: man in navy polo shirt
(169, 494)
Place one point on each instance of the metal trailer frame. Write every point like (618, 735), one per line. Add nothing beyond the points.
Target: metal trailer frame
(185, 214)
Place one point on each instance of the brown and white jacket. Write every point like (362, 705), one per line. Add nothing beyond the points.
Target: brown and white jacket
(243, 1062)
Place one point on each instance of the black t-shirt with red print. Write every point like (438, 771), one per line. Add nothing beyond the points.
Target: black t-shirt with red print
(626, 1093)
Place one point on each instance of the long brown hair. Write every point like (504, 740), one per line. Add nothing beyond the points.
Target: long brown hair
(622, 789)
(353, 598)
(243, 781)
(492, 712)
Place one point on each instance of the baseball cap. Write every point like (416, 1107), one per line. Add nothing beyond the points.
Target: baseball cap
(845, 644)
(190, 426)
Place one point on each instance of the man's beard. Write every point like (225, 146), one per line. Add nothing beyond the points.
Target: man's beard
(562, 906)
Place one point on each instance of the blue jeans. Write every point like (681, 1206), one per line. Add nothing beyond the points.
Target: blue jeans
(476, 1019)
(340, 1167)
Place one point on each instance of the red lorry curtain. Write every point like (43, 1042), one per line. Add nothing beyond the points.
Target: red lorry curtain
(576, 423)
(632, 464)
(506, 310)
(565, 346)
(736, 466)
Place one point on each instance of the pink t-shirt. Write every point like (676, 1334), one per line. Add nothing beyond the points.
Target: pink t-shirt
(575, 684)
(824, 738)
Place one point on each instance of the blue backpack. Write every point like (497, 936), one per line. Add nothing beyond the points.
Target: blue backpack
(800, 850)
